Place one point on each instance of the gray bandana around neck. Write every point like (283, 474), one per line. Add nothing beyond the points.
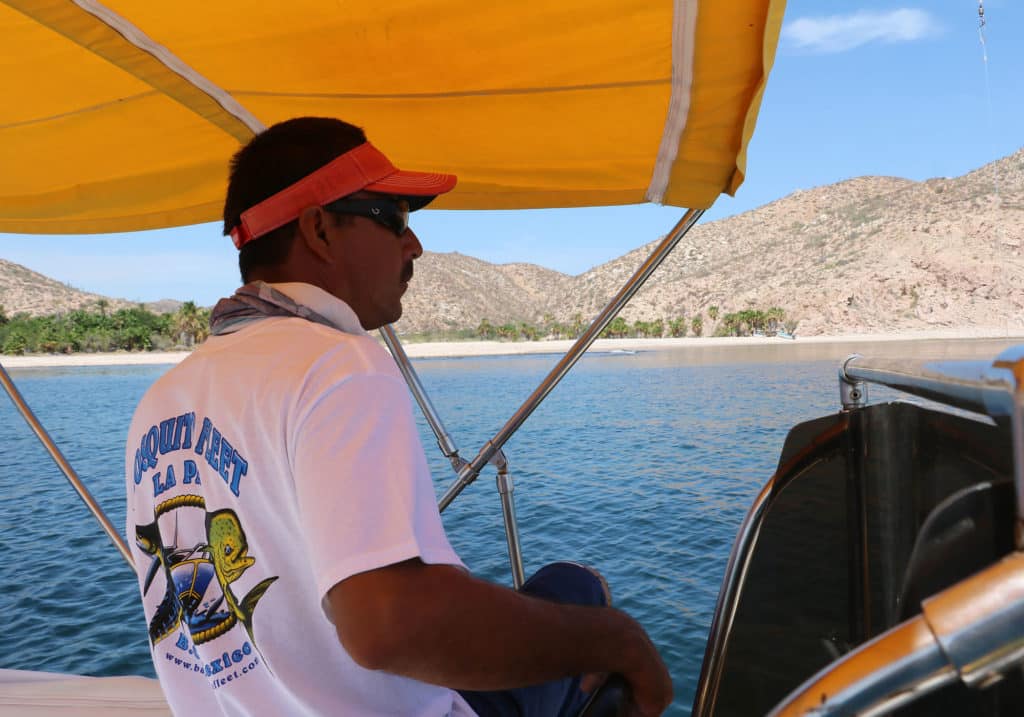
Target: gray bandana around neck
(258, 300)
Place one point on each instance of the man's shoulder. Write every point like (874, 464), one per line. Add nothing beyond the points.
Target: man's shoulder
(315, 348)
(276, 355)
(292, 340)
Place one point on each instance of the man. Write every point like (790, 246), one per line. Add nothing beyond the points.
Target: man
(290, 553)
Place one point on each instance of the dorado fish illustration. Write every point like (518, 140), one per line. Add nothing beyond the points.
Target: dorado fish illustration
(228, 550)
(189, 572)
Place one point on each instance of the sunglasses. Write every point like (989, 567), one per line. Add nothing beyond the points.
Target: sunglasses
(390, 213)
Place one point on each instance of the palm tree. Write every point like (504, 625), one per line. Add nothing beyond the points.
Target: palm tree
(486, 330)
(203, 330)
(188, 324)
(527, 331)
(550, 325)
(616, 329)
(577, 325)
(730, 325)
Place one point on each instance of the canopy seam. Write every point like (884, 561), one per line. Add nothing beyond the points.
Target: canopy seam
(79, 111)
(684, 30)
(172, 62)
(463, 93)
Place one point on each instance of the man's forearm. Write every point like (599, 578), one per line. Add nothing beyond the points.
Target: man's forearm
(437, 624)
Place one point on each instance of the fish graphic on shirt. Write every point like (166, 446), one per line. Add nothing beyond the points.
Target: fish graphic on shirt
(228, 550)
(221, 558)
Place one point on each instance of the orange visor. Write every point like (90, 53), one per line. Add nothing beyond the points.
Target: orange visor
(362, 168)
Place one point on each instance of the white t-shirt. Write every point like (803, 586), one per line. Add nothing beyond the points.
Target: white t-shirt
(265, 468)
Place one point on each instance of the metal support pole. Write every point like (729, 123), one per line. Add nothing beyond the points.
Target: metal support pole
(451, 452)
(65, 467)
(508, 512)
(470, 471)
(444, 440)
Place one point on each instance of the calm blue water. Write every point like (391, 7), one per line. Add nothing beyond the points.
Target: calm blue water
(642, 465)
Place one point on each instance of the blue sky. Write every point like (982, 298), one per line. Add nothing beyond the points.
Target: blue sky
(858, 88)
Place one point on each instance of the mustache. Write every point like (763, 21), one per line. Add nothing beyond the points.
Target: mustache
(407, 272)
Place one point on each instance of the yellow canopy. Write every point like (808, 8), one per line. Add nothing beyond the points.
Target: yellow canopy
(123, 116)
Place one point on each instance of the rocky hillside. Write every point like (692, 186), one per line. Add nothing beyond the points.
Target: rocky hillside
(25, 291)
(454, 291)
(871, 254)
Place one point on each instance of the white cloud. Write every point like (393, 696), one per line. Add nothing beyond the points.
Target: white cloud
(838, 33)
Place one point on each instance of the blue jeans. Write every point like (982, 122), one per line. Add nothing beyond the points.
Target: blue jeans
(560, 582)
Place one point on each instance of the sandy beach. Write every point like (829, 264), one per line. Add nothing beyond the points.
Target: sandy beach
(453, 349)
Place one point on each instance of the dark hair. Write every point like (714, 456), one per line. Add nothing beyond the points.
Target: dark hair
(274, 159)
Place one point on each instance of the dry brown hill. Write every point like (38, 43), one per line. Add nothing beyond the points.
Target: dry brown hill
(867, 254)
(454, 291)
(25, 291)
(870, 254)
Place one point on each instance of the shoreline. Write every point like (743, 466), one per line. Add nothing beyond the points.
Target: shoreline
(463, 349)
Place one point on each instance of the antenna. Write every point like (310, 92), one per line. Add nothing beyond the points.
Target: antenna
(988, 90)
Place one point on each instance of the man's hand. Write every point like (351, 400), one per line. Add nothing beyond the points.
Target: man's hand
(649, 682)
(437, 624)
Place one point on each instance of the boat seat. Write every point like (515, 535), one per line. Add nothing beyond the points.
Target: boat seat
(611, 699)
(963, 534)
(25, 693)
(966, 532)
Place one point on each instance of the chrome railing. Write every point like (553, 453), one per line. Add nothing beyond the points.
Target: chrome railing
(444, 440)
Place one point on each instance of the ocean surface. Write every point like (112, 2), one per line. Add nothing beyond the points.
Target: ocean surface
(642, 465)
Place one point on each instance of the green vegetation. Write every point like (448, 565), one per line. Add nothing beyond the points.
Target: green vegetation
(741, 323)
(751, 321)
(441, 336)
(697, 325)
(617, 329)
(138, 329)
(135, 329)
(677, 327)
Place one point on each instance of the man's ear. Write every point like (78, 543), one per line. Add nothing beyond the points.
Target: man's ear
(313, 232)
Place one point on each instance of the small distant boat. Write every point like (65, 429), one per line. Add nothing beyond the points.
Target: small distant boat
(783, 334)
(623, 352)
